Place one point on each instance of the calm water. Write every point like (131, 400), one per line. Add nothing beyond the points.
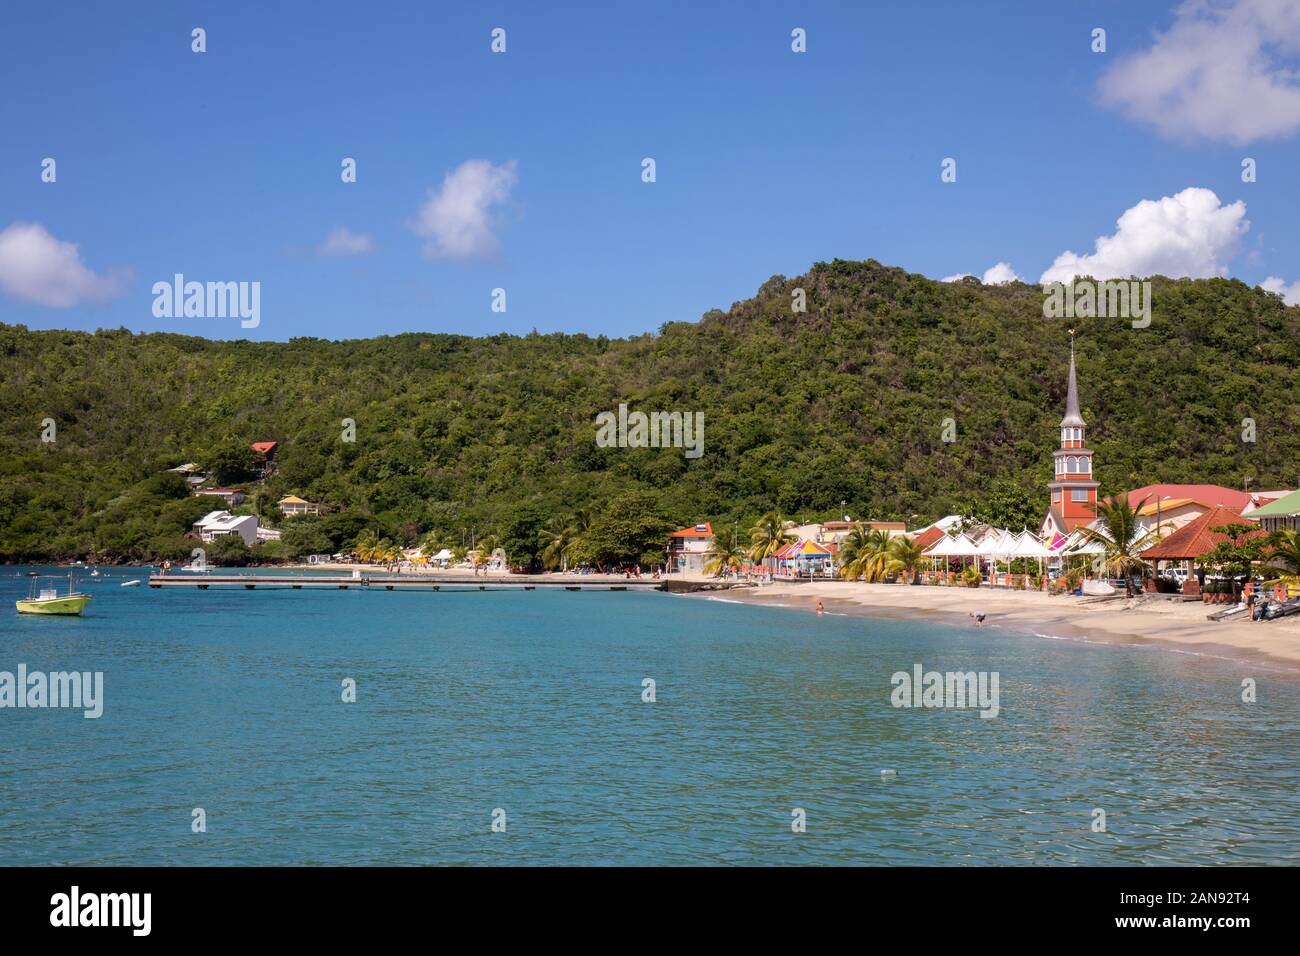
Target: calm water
(531, 702)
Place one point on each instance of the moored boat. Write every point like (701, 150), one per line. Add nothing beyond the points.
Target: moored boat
(47, 600)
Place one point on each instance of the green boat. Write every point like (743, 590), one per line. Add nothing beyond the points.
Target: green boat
(47, 600)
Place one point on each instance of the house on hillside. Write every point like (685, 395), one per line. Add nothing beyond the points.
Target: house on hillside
(233, 497)
(265, 451)
(688, 549)
(293, 505)
(220, 524)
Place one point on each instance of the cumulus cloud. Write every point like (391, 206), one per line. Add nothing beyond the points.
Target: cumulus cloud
(343, 242)
(1191, 234)
(36, 267)
(1290, 293)
(457, 219)
(1226, 70)
(998, 274)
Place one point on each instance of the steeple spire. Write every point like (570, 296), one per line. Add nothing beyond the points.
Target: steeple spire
(1072, 416)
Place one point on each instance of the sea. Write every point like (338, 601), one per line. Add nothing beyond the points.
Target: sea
(300, 727)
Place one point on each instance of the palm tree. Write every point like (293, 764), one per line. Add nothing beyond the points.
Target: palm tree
(557, 543)
(1283, 555)
(728, 554)
(389, 552)
(905, 557)
(864, 554)
(365, 546)
(1122, 540)
(432, 543)
(768, 536)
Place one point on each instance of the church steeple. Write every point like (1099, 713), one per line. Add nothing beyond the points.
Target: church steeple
(1074, 492)
(1072, 416)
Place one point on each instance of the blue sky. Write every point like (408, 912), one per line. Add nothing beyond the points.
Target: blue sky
(225, 165)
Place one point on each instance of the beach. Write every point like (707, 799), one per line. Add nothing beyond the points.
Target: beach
(1183, 625)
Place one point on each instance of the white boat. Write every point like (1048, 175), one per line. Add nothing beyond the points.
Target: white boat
(135, 583)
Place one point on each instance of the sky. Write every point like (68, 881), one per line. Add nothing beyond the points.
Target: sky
(524, 170)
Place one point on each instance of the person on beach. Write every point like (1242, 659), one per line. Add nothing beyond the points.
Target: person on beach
(820, 609)
(978, 618)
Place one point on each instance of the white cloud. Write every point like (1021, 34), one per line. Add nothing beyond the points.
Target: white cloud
(1225, 70)
(998, 274)
(457, 219)
(36, 267)
(1190, 234)
(1290, 293)
(342, 242)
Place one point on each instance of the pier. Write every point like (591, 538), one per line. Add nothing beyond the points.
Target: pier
(390, 582)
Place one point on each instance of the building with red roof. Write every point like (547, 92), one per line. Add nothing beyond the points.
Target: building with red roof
(1209, 495)
(1194, 540)
(689, 548)
(928, 537)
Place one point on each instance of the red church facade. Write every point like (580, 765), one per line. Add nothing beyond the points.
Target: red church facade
(1073, 490)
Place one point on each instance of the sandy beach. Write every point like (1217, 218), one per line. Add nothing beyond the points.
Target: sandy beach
(1179, 624)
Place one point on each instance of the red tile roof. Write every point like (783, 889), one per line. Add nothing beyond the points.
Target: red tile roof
(1209, 494)
(1195, 538)
(928, 537)
(264, 447)
(704, 530)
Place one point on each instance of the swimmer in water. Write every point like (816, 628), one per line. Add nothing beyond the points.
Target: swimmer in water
(978, 618)
(820, 609)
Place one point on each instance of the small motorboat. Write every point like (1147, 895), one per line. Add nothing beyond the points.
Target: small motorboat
(47, 600)
(134, 583)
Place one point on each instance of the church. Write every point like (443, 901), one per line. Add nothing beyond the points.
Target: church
(1074, 491)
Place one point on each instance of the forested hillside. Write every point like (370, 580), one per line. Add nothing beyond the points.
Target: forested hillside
(844, 402)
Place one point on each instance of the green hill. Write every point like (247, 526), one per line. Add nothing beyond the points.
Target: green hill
(844, 402)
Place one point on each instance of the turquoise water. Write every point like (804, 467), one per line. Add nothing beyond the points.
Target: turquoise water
(531, 702)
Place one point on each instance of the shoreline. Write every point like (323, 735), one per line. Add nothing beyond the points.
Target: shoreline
(1173, 626)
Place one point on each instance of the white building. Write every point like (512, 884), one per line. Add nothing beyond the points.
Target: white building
(688, 549)
(219, 524)
(231, 496)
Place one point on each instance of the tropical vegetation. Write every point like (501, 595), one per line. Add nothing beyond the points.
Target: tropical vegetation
(841, 408)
